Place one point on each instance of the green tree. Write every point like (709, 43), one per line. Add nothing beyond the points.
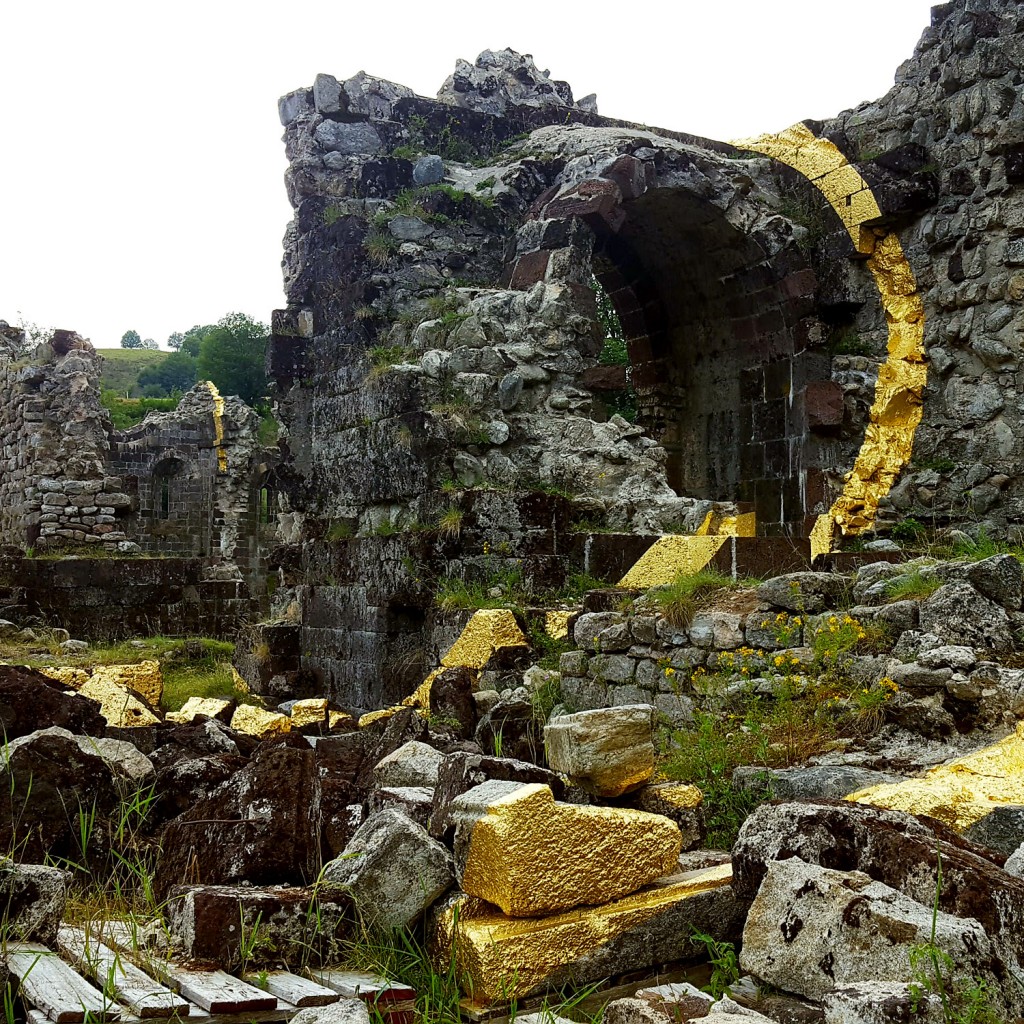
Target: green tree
(175, 340)
(231, 354)
(131, 339)
(149, 343)
(177, 372)
(193, 337)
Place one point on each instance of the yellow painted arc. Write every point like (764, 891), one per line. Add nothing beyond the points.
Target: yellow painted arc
(896, 410)
(218, 425)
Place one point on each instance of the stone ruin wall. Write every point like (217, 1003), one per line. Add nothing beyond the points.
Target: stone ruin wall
(441, 334)
(189, 491)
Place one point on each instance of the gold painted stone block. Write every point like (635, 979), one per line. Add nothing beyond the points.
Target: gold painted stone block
(211, 707)
(962, 792)
(260, 722)
(67, 676)
(530, 855)
(488, 630)
(312, 712)
(121, 709)
(144, 678)
(501, 958)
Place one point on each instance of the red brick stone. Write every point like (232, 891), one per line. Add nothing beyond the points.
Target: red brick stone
(824, 402)
(529, 269)
(604, 378)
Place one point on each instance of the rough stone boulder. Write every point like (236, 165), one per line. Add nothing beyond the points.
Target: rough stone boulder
(259, 722)
(33, 898)
(412, 764)
(209, 921)
(892, 847)
(344, 1011)
(812, 928)
(519, 849)
(804, 592)
(261, 825)
(51, 781)
(393, 869)
(461, 771)
(809, 782)
(209, 707)
(959, 615)
(30, 701)
(143, 678)
(339, 760)
(610, 751)
(882, 1002)
(679, 802)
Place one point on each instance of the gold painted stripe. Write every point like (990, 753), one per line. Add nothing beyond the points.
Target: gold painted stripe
(896, 411)
(218, 425)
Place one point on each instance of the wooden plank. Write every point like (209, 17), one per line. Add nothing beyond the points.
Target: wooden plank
(112, 971)
(368, 987)
(51, 985)
(298, 991)
(215, 991)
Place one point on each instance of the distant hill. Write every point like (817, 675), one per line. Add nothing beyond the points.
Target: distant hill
(122, 366)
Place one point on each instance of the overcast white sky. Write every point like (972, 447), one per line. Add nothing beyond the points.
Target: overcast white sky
(141, 163)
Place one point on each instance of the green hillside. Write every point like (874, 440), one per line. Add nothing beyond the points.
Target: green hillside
(122, 366)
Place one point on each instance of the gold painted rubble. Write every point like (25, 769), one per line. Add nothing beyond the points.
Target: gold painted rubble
(556, 624)
(211, 707)
(532, 856)
(144, 678)
(896, 411)
(488, 630)
(504, 958)
(312, 712)
(218, 425)
(259, 722)
(67, 676)
(681, 795)
(121, 709)
(963, 791)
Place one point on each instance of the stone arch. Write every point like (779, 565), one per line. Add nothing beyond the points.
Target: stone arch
(717, 303)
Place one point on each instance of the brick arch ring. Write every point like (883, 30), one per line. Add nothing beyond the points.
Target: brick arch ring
(897, 405)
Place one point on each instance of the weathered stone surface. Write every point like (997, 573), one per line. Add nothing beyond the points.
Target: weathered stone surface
(519, 849)
(415, 802)
(33, 898)
(680, 803)
(460, 772)
(608, 751)
(892, 847)
(344, 1011)
(428, 170)
(30, 700)
(49, 778)
(210, 922)
(679, 1000)
(349, 139)
(262, 826)
(393, 869)
(1002, 830)
(506, 957)
(804, 592)
(812, 928)
(959, 615)
(809, 782)
(412, 764)
(125, 760)
(1000, 578)
(882, 1002)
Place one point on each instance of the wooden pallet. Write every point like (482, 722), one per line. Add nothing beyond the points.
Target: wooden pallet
(85, 979)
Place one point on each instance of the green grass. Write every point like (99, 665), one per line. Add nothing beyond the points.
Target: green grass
(679, 599)
(126, 412)
(914, 586)
(120, 369)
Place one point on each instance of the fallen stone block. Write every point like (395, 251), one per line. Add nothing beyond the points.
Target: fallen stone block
(809, 782)
(210, 707)
(504, 958)
(261, 825)
(962, 792)
(812, 928)
(259, 722)
(519, 849)
(33, 897)
(610, 751)
(30, 701)
(412, 764)
(121, 708)
(415, 802)
(214, 923)
(882, 1002)
(679, 802)
(144, 678)
(459, 772)
(393, 869)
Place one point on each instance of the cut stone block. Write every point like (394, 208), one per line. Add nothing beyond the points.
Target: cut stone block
(208, 921)
(504, 958)
(259, 722)
(412, 764)
(680, 802)
(210, 707)
(530, 856)
(394, 869)
(144, 678)
(610, 751)
(121, 709)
